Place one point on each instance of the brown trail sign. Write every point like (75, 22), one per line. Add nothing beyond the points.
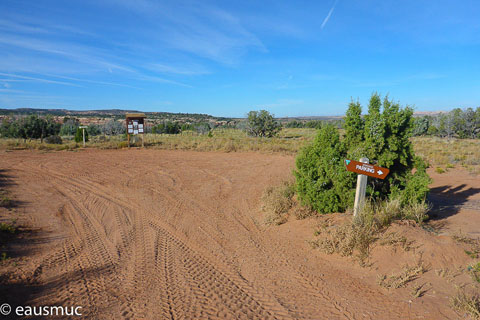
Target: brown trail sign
(366, 169)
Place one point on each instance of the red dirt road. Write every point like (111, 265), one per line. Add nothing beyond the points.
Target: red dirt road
(149, 234)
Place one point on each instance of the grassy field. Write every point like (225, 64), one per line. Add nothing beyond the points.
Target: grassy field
(227, 140)
(442, 154)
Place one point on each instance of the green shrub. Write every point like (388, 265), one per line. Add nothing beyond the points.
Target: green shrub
(53, 140)
(79, 135)
(439, 170)
(324, 185)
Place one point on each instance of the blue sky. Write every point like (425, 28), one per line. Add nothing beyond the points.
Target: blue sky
(295, 58)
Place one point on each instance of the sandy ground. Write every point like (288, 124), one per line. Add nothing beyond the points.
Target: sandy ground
(152, 234)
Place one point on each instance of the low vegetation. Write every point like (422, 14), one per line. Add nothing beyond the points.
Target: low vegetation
(474, 271)
(467, 304)
(357, 235)
(277, 201)
(401, 279)
(449, 153)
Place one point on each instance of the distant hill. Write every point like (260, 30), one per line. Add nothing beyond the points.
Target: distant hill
(112, 113)
(197, 117)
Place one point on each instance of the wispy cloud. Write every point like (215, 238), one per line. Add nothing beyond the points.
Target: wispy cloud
(92, 81)
(162, 80)
(329, 15)
(38, 79)
(187, 69)
(202, 30)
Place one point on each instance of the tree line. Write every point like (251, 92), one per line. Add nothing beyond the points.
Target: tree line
(457, 123)
(36, 127)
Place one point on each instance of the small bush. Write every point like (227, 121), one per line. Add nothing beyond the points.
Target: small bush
(416, 211)
(53, 140)
(277, 201)
(122, 144)
(439, 170)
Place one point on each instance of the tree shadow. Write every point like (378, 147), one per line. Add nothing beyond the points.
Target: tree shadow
(448, 201)
(27, 292)
(6, 182)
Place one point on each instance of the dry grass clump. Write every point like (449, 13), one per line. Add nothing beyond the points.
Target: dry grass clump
(449, 152)
(395, 240)
(474, 244)
(357, 235)
(277, 201)
(418, 291)
(400, 280)
(466, 303)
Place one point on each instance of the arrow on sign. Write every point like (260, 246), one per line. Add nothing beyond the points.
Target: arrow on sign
(366, 169)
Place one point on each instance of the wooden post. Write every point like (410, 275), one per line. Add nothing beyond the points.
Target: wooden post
(143, 138)
(83, 131)
(361, 190)
(128, 138)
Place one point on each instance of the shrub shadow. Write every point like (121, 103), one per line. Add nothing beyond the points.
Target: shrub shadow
(448, 201)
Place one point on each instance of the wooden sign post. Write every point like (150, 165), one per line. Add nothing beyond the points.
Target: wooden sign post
(83, 131)
(364, 169)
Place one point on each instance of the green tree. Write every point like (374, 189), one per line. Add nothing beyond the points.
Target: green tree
(383, 137)
(69, 126)
(354, 124)
(262, 124)
(79, 135)
(421, 126)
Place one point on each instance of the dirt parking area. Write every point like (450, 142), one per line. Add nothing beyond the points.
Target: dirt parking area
(154, 234)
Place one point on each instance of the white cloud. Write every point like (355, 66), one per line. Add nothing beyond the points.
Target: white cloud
(329, 15)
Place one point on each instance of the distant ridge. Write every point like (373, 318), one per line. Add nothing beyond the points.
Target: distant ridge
(121, 112)
(93, 113)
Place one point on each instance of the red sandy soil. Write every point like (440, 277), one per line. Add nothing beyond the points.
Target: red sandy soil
(154, 234)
